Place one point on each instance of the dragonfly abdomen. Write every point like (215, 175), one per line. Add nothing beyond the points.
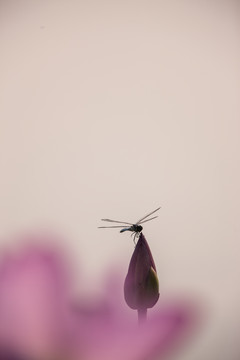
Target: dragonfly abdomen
(126, 229)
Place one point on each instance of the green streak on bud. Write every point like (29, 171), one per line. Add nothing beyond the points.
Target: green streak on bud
(152, 288)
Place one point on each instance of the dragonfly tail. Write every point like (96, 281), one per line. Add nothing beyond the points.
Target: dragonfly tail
(126, 229)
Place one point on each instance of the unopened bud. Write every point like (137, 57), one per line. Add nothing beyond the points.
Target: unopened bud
(141, 287)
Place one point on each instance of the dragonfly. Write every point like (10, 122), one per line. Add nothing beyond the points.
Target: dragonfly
(136, 228)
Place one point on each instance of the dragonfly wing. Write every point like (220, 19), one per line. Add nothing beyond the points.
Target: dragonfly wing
(116, 221)
(114, 226)
(152, 212)
(141, 222)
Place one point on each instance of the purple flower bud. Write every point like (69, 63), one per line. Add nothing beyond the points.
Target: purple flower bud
(141, 288)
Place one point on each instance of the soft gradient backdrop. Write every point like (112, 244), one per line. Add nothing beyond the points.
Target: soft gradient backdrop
(111, 109)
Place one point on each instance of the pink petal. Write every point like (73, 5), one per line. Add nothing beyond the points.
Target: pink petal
(109, 334)
(32, 302)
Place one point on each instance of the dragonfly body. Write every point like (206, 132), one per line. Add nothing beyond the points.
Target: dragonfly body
(136, 228)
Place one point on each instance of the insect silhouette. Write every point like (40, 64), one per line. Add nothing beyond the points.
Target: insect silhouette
(135, 228)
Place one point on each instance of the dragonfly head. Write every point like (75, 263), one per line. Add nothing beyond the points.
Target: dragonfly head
(137, 228)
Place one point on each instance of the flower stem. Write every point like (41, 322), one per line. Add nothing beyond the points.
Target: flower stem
(142, 316)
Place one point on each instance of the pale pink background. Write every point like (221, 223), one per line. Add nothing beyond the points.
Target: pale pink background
(113, 108)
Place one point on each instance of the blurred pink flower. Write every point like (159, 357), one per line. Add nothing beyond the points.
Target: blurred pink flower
(38, 320)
